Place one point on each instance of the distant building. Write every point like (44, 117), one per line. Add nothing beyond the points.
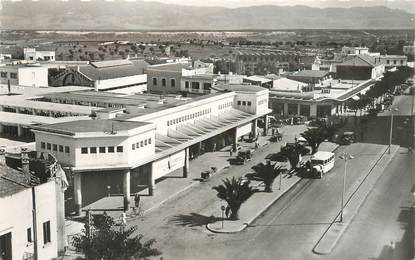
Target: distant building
(38, 55)
(354, 50)
(24, 75)
(32, 222)
(261, 81)
(409, 50)
(104, 75)
(360, 67)
(248, 62)
(393, 60)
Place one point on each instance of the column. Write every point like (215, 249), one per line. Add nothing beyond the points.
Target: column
(19, 130)
(254, 129)
(77, 192)
(235, 140)
(1, 128)
(186, 163)
(285, 109)
(298, 109)
(265, 125)
(151, 180)
(126, 189)
(313, 110)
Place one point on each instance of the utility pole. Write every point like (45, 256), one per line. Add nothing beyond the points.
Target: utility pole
(345, 156)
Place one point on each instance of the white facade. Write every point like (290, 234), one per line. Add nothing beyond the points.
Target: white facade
(16, 217)
(136, 80)
(34, 55)
(33, 76)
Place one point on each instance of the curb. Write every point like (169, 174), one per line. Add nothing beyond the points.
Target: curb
(335, 231)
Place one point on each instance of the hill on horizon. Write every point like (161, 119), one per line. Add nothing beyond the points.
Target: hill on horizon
(141, 15)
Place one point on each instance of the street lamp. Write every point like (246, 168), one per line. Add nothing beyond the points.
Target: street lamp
(391, 129)
(345, 156)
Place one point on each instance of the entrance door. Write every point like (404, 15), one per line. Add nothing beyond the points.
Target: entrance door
(6, 246)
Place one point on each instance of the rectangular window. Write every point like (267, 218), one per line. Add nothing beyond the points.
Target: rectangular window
(13, 75)
(48, 146)
(249, 103)
(141, 143)
(163, 82)
(195, 85)
(66, 149)
(46, 232)
(145, 142)
(149, 140)
(154, 81)
(4, 74)
(61, 148)
(394, 62)
(102, 149)
(84, 150)
(172, 83)
(110, 149)
(186, 84)
(133, 146)
(239, 103)
(137, 145)
(93, 150)
(42, 145)
(243, 103)
(207, 86)
(29, 235)
(119, 149)
(55, 147)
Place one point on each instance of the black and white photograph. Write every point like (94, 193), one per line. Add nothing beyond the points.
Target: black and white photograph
(207, 130)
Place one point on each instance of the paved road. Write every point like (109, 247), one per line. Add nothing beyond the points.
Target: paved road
(385, 217)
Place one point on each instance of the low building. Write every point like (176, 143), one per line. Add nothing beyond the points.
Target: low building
(247, 63)
(126, 151)
(390, 61)
(38, 55)
(409, 50)
(32, 217)
(104, 75)
(354, 50)
(360, 67)
(24, 75)
(310, 76)
(259, 81)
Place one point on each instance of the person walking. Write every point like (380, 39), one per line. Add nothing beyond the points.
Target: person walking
(231, 152)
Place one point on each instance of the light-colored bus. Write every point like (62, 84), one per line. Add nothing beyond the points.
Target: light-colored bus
(322, 162)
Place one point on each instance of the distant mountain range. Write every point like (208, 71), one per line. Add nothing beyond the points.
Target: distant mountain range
(141, 15)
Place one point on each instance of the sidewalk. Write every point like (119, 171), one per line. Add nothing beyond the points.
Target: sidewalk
(260, 201)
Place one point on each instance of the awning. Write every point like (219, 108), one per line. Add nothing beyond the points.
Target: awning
(355, 98)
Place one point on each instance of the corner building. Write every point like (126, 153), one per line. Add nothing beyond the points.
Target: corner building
(127, 153)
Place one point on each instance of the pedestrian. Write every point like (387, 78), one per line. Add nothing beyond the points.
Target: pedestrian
(137, 200)
(256, 145)
(295, 139)
(231, 152)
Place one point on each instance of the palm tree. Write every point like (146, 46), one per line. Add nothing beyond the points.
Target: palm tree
(292, 153)
(314, 137)
(267, 174)
(234, 192)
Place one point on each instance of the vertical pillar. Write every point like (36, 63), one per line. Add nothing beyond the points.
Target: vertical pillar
(186, 163)
(285, 109)
(254, 129)
(235, 140)
(151, 181)
(265, 125)
(77, 192)
(298, 109)
(19, 130)
(126, 189)
(1, 128)
(313, 110)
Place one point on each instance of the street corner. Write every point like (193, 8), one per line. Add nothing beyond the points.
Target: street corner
(227, 226)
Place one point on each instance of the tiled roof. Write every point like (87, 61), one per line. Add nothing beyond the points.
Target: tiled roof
(359, 61)
(112, 69)
(11, 181)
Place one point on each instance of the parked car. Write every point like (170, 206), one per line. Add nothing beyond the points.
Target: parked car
(347, 138)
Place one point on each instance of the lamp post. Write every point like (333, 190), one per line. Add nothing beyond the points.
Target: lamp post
(391, 129)
(345, 156)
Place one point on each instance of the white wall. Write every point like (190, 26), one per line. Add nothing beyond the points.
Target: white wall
(18, 218)
(244, 129)
(62, 157)
(124, 81)
(33, 76)
(168, 164)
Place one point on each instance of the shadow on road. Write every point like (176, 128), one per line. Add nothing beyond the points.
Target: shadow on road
(291, 224)
(193, 220)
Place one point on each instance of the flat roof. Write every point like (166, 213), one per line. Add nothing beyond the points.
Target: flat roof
(177, 67)
(310, 73)
(322, 155)
(241, 88)
(28, 120)
(87, 126)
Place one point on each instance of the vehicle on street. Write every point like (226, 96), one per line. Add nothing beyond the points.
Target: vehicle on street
(321, 162)
(347, 138)
(299, 120)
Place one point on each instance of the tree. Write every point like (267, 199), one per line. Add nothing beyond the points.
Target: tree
(314, 137)
(292, 153)
(234, 192)
(103, 241)
(267, 174)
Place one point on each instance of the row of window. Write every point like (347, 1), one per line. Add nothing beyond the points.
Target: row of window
(142, 143)
(164, 82)
(46, 233)
(12, 75)
(188, 117)
(196, 85)
(244, 103)
(54, 147)
(101, 149)
(394, 62)
(228, 104)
